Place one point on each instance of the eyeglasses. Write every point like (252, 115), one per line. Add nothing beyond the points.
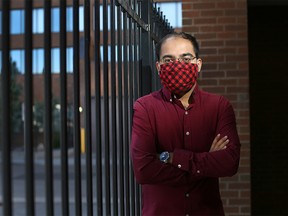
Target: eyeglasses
(186, 59)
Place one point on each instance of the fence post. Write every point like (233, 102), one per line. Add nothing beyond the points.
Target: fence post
(146, 44)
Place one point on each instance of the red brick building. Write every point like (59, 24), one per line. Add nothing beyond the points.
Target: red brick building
(221, 28)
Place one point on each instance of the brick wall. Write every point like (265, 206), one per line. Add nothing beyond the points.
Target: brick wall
(221, 28)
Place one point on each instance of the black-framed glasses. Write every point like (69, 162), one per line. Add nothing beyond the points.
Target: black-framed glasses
(186, 59)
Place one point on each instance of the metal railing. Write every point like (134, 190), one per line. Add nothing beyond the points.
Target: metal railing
(117, 68)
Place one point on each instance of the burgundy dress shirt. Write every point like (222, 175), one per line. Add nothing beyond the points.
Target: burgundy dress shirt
(188, 186)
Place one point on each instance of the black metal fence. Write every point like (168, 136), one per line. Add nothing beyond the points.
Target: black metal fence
(116, 67)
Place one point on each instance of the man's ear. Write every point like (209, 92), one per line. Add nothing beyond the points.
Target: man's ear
(158, 67)
(199, 63)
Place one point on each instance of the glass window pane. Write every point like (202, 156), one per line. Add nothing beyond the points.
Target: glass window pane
(69, 60)
(81, 18)
(38, 61)
(55, 23)
(55, 55)
(101, 17)
(69, 18)
(17, 22)
(18, 59)
(55, 59)
(38, 21)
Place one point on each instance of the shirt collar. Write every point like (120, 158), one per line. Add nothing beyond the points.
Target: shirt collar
(170, 97)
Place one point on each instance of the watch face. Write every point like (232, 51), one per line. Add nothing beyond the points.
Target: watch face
(164, 156)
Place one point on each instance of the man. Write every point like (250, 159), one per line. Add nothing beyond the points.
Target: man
(183, 139)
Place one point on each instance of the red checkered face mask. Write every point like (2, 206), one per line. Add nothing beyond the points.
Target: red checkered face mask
(178, 77)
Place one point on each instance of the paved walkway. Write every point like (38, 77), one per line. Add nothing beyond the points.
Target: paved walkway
(18, 182)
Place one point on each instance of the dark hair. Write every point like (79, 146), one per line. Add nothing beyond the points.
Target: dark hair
(183, 35)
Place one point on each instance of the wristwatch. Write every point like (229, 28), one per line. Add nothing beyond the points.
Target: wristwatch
(164, 156)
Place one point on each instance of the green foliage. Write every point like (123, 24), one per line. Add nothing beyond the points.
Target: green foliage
(15, 103)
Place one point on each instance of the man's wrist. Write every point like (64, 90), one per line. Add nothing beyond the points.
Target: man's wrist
(166, 157)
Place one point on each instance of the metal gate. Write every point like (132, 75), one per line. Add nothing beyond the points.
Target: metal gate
(89, 172)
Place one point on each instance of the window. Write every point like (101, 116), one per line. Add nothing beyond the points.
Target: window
(108, 15)
(17, 25)
(55, 22)
(55, 19)
(38, 21)
(81, 18)
(173, 12)
(38, 61)
(69, 18)
(55, 55)
(18, 60)
(69, 60)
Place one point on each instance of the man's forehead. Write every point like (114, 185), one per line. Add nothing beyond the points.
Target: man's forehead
(177, 46)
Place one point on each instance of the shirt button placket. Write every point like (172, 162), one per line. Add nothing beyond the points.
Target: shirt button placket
(187, 128)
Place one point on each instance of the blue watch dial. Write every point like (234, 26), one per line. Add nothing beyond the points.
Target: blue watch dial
(164, 156)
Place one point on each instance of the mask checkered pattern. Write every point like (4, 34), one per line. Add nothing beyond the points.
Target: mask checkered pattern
(178, 77)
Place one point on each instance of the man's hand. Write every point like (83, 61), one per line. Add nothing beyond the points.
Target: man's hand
(219, 143)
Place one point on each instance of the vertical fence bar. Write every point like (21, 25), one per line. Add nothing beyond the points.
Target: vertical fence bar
(97, 60)
(137, 94)
(77, 143)
(113, 110)
(140, 52)
(88, 149)
(146, 49)
(6, 126)
(28, 119)
(120, 110)
(63, 110)
(99, 170)
(130, 111)
(125, 116)
(48, 112)
(136, 56)
(106, 108)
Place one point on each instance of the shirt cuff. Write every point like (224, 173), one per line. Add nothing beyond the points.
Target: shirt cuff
(181, 159)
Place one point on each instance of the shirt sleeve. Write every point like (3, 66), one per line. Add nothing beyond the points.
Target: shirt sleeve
(148, 169)
(220, 163)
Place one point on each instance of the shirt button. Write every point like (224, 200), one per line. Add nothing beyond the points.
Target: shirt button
(187, 133)
(187, 194)
(171, 100)
(179, 166)
(186, 113)
(198, 171)
(187, 215)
